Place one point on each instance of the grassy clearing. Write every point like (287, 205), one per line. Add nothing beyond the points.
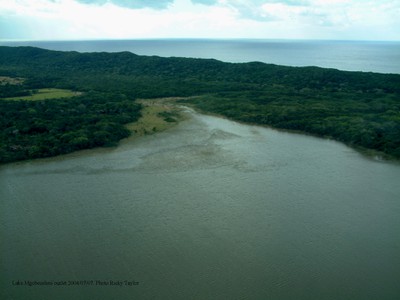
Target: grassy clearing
(50, 93)
(10, 80)
(157, 115)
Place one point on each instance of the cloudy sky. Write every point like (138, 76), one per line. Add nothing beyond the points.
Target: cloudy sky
(269, 19)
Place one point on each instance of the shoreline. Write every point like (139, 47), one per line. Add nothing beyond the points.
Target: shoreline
(372, 154)
(158, 115)
(161, 114)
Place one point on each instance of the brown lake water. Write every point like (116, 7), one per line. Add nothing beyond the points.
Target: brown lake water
(211, 209)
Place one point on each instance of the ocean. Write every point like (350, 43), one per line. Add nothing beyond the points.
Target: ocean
(366, 56)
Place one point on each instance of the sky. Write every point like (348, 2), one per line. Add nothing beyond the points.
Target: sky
(255, 19)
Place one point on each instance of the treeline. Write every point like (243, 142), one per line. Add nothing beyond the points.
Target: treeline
(34, 129)
(14, 90)
(358, 108)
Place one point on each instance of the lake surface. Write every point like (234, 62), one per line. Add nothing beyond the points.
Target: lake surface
(211, 209)
(382, 57)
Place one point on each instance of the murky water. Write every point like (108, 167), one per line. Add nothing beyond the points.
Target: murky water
(211, 209)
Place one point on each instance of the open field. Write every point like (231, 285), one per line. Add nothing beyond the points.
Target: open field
(10, 80)
(157, 115)
(49, 93)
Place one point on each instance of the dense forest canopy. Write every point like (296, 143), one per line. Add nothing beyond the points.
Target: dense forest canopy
(361, 109)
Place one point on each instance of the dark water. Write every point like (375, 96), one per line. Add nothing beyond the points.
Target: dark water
(383, 57)
(211, 209)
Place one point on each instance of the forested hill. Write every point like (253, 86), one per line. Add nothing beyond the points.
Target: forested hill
(358, 108)
(176, 76)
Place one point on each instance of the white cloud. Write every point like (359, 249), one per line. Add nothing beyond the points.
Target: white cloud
(83, 19)
(155, 4)
(282, 11)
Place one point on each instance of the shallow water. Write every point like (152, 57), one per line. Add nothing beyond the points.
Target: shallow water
(211, 209)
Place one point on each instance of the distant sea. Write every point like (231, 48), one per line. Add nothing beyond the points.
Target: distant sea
(367, 56)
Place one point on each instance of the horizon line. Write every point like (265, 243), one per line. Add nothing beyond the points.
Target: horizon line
(190, 38)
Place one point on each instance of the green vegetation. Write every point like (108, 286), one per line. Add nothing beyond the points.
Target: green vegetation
(10, 80)
(360, 109)
(34, 129)
(168, 116)
(43, 94)
(157, 115)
